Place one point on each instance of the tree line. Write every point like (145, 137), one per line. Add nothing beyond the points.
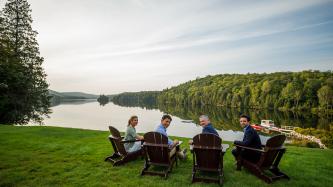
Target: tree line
(282, 90)
(144, 98)
(286, 91)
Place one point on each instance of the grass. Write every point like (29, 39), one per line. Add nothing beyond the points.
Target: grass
(53, 156)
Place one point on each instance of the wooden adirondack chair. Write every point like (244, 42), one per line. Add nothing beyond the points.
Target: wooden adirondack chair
(207, 156)
(120, 155)
(157, 153)
(270, 157)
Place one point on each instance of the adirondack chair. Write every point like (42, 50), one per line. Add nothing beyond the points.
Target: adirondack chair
(120, 155)
(270, 156)
(157, 153)
(207, 156)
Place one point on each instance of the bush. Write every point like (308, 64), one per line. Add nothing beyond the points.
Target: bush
(325, 136)
(305, 143)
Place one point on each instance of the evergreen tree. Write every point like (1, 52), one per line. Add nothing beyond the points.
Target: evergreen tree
(24, 90)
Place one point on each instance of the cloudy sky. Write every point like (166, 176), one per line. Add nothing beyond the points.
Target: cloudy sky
(112, 46)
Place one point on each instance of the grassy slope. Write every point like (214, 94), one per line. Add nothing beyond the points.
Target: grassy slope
(50, 156)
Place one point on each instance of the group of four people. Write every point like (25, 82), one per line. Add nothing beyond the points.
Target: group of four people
(250, 139)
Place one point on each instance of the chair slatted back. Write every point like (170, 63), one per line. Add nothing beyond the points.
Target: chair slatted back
(208, 150)
(116, 139)
(156, 147)
(272, 149)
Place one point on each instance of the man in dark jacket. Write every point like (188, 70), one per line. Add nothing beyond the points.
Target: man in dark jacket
(250, 139)
(206, 125)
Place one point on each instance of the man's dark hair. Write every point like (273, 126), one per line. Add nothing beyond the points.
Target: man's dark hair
(166, 116)
(245, 116)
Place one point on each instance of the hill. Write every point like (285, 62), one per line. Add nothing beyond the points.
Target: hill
(294, 91)
(71, 95)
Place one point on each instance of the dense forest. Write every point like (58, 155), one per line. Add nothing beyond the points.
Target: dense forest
(285, 91)
(294, 91)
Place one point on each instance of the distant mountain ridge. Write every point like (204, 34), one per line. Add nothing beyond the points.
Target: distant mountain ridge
(71, 95)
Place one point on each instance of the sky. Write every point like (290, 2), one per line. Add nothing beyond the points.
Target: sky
(113, 46)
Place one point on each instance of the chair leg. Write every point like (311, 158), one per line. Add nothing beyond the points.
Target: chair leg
(107, 158)
(239, 165)
(176, 160)
(166, 174)
(220, 181)
(113, 156)
(261, 175)
(145, 168)
(220, 178)
(277, 172)
(169, 170)
(193, 175)
(266, 178)
(118, 163)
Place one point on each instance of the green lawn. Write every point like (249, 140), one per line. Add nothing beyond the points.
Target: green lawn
(51, 156)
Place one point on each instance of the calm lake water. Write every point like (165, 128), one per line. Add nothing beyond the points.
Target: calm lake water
(89, 114)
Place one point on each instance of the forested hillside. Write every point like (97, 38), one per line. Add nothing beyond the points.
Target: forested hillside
(283, 90)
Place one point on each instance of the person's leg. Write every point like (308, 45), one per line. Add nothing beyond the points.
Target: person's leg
(235, 152)
(181, 153)
(251, 156)
(172, 152)
(135, 147)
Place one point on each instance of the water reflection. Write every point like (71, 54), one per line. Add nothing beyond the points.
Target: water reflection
(227, 118)
(89, 114)
(56, 102)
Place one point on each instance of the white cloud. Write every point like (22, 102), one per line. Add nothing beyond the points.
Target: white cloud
(132, 45)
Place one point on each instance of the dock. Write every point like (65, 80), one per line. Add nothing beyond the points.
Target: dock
(289, 131)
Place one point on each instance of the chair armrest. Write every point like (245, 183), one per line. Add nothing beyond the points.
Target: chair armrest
(129, 141)
(249, 148)
(155, 145)
(276, 148)
(223, 146)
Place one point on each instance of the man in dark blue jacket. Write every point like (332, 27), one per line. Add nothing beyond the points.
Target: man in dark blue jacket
(250, 139)
(207, 127)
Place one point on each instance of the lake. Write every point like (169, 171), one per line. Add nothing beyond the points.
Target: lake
(89, 114)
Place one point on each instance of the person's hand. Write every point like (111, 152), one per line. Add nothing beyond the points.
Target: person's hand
(190, 142)
(138, 137)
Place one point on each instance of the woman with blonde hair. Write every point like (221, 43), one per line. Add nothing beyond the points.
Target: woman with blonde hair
(132, 135)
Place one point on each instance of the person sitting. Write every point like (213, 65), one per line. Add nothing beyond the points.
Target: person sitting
(162, 128)
(250, 139)
(131, 135)
(206, 125)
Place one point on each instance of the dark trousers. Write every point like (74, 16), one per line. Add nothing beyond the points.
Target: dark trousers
(246, 154)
